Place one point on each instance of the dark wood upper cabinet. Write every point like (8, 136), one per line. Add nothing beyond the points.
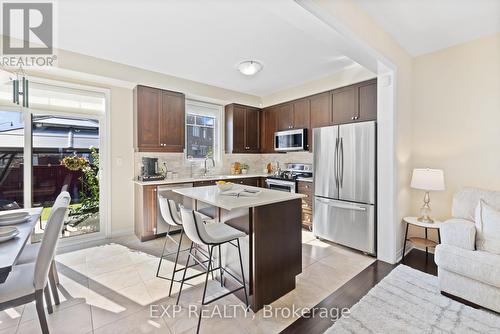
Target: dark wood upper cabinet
(269, 125)
(252, 130)
(355, 103)
(301, 114)
(367, 96)
(146, 112)
(242, 129)
(172, 118)
(159, 117)
(321, 110)
(344, 104)
(302, 118)
(285, 117)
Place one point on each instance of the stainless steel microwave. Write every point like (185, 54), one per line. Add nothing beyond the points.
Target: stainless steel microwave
(290, 140)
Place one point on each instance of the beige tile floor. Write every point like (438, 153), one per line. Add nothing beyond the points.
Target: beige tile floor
(112, 288)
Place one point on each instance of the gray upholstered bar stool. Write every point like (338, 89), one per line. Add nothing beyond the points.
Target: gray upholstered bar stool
(211, 235)
(171, 216)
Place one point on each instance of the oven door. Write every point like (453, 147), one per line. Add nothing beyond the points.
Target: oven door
(281, 185)
(291, 140)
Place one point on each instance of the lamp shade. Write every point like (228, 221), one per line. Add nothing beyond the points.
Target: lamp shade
(427, 179)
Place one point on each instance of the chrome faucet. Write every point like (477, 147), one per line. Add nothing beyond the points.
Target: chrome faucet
(206, 169)
(278, 169)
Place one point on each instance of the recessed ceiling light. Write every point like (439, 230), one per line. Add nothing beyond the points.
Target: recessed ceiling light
(249, 67)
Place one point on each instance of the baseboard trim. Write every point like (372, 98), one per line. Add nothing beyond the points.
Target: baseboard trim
(123, 232)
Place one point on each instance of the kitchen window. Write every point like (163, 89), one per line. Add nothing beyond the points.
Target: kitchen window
(203, 130)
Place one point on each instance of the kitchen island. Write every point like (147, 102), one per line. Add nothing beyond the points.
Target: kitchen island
(272, 221)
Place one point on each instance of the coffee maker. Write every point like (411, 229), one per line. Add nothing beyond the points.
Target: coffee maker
(149, 170)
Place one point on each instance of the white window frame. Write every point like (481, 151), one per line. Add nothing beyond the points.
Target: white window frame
(212, 110)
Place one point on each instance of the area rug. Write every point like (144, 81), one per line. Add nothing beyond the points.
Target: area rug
(409, 301)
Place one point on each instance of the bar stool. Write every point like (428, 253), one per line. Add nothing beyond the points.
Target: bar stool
(170, 214)
(211, 235)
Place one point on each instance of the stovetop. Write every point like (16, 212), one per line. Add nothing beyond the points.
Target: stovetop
(293, 172)
(290, 175)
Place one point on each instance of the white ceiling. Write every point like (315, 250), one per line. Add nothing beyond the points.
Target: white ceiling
(422, 26)
(205, 40)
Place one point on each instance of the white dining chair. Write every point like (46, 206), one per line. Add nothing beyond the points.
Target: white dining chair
(30, 253)
(28, 282)
(213, 236)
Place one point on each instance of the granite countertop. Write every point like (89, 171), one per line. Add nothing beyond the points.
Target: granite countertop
(211, 195)
(198, 179)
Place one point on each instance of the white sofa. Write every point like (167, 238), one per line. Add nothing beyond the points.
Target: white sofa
(463, 271)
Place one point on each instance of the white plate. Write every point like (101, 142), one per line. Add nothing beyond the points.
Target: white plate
(8, 237)
(13, 221)
(6, 215)
(7, 230)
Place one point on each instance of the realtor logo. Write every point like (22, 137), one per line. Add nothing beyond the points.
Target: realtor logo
(27, 28)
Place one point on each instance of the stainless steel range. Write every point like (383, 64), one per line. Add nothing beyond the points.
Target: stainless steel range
(286, 180)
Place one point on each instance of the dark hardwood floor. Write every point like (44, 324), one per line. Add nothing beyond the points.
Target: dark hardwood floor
(351, 292)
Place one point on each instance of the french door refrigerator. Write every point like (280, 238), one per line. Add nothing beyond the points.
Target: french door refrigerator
(345, 185)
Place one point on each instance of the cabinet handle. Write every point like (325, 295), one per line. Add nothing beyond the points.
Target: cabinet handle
(353, 118)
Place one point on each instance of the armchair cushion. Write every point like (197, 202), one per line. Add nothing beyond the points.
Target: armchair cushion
(459, 233)
(487, 228)
(478, 265)
(465, 202)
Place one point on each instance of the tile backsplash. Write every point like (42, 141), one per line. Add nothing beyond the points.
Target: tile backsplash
(257, 162)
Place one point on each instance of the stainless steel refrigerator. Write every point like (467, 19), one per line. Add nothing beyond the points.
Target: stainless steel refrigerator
(345, 185)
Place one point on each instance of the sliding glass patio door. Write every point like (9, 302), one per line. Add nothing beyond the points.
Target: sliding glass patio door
(65, 157)
(55, 145)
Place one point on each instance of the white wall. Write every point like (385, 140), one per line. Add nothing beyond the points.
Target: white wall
(340, 79)
(456, 121)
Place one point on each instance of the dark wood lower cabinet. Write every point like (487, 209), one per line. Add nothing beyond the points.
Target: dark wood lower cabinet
(306, 188)
(251, 181)
(146, 206)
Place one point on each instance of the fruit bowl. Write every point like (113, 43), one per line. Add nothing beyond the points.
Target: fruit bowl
(223, 185)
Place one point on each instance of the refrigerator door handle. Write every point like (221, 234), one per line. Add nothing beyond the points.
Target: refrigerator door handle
(335, 163)
(341, 177)
(342, 205)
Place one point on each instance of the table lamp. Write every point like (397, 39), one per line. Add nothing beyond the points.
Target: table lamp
(428, 180)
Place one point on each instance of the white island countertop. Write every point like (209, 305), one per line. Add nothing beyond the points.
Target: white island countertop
(211, 195)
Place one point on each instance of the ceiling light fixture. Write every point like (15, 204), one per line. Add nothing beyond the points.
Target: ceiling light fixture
(249, 67)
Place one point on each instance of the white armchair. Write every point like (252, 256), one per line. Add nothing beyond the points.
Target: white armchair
(463, 271)
(459, 233)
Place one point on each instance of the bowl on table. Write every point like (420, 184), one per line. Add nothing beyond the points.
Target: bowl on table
(224, 186)
(11, 218)
(8, 232)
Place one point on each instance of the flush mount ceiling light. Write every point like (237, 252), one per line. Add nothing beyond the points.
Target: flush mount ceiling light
(249, 67)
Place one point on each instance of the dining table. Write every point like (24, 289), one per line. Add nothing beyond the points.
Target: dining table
(11, 249)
